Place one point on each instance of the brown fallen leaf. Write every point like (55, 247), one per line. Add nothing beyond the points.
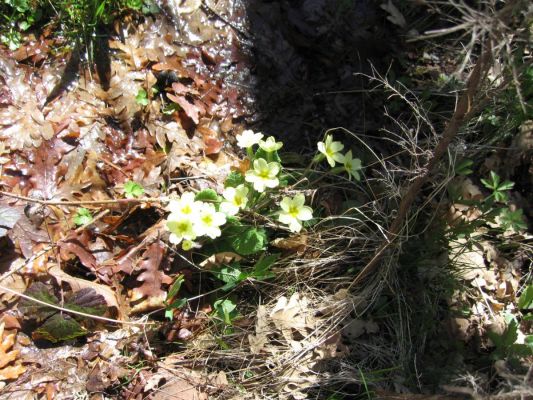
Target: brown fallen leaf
(151, 277)
(191, 109)
(10, 366)
(77, 243)
(77, 284)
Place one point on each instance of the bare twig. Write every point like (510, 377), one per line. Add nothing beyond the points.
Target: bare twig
(84, 202)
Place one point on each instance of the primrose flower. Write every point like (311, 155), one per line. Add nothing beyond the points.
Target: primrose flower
(186, 245)
(181, 228)
(185, 205)
(293, 212)
(263, 175)
(331, 150)
(248, 138)
(235, 199)
(208, 221)
(270, 144)
(352, 166)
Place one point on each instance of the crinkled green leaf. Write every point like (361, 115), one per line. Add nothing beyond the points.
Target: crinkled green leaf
(234, 179)
(245, 240)
(31, 309)
(58, 328)
(231, 275)
(207, 195)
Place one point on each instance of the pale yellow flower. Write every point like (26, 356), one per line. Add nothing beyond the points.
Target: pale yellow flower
(331, 150)
(248, 138)
(293, 212)
(208, 221)
(352, 166)
(181, 228)
(236, 198)
(263, 175)
(270, 144)
(185, 205)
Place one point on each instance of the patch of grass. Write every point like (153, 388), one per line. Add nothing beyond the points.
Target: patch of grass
(77, 21)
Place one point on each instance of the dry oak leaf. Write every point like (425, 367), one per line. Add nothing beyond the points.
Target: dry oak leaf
(151, 278)
(10, 367)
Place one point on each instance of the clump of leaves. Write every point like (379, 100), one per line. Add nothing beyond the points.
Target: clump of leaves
(133, 190)
(142, 97)
(56, 326)
(221, 223)
(498, 187)
(83, 217)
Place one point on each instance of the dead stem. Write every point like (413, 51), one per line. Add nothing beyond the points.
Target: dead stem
(83, 202)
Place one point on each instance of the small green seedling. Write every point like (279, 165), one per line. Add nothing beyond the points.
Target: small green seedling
(498, 188)
(226, 310)
(512, 220)
(83, 217)
(171, 303)
(142, 97)
(133, 190)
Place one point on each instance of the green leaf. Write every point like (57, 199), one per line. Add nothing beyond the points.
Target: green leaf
(510, 335)
(525, 302)
(231, 275)
(87, 301)
(31, 309)
(58, 328)
(272, 156)
(169, 311)
(261, 267)
(245, 240)
(133, 190)
(142, 97)
(512, 219)
(175, 288)
(207, 195)
(500, 196)
(234, 179)
(226, 310)
(83, 217)
(463, 167)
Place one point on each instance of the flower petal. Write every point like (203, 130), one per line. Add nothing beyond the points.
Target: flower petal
(305, 213)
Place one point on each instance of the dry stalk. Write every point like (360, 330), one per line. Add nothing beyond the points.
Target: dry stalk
(463, 112)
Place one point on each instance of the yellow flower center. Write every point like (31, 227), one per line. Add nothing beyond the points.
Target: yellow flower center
(186, 209)
(183, 226)
(264, 173)
(207, 219)
(293, 211)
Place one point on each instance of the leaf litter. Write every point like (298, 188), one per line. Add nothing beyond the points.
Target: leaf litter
(84, 145)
